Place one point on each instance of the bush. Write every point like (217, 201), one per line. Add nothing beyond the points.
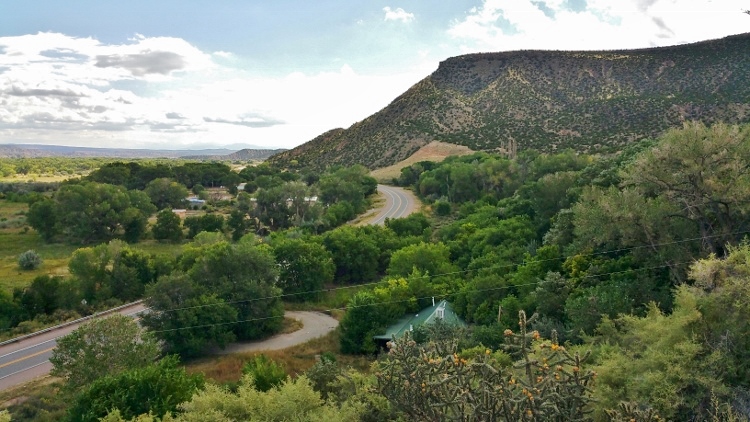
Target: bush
(29, 260)
(265, 372)
(442, 208)
(324, 375)
(156, 389)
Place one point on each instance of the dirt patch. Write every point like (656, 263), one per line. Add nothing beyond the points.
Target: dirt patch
(434, 151)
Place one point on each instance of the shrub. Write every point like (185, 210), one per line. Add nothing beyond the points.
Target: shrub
(29, 260)
(265, 372)
(442, 208)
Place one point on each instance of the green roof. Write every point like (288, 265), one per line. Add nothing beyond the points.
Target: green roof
(425, 316)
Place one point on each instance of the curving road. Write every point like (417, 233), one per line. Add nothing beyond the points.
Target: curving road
(399, 203)
(28, 357)
(314, 325)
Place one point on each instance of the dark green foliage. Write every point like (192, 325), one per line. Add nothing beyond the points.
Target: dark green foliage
(238, 223)
(166, 193)
(432, 259)
(442, 208)
(364, 319)
(168, 226)
(10, 312)
(111, 270)
(156, 389)
(354, 253)
(134, 224)
(266, 373)
(29, 260)
(304, 268)
(89, 212)
(204, 223)
(43, 218)
(413, 225)
(186, 320)
(41, 297)
(229, 292)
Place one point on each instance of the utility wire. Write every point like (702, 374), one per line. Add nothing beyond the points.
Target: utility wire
(444, 295)
(332, 289)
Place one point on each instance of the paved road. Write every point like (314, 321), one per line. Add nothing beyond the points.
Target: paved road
(314, 325)
(399, 203)
(27, 359)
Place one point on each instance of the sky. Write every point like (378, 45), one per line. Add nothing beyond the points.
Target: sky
(190, 74)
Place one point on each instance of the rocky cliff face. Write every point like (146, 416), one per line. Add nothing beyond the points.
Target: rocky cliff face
(547, 100)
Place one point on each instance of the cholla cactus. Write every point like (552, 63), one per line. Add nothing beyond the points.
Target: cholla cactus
(547, 383)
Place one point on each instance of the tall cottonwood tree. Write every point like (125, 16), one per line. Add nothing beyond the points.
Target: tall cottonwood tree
(104, 346)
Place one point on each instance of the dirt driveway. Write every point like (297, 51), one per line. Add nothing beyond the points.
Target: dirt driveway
(314, 325)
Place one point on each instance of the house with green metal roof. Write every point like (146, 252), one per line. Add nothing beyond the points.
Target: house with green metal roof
(438, 311)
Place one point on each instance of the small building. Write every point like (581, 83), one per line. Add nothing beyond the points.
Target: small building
(195, 202)
(181, 212)
(439, 311)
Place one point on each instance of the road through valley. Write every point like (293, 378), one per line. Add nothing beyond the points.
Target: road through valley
(26, 359)
(399, 203)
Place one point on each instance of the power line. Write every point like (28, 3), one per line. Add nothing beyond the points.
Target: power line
(332, 289)
(444, 295)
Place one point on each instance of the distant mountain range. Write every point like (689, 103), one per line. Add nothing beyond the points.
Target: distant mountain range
(30, 151)
(591, 101)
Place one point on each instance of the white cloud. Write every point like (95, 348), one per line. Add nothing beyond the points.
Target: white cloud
(605, 24)
(398, 14)
(164, 92)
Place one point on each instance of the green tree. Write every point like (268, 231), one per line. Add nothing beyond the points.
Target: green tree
(43, 218)
(100, 347)
(90, 269)
(703, 172)
(355, 254)
(168, 226)
(42, 296)
(134, 223)
(187, 319)
(90, 212)
(238, 223)
(131, 272)
(245, 276)
(228, 293)
(156, 389)
(413, 225)
(427, 258)
(304, 268)
(166, 193)
(722, 289)
(204, 223)
(9, 311)
(365, 317)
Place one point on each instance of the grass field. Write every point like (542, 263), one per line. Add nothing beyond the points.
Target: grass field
(46, 178)
(16, 238)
